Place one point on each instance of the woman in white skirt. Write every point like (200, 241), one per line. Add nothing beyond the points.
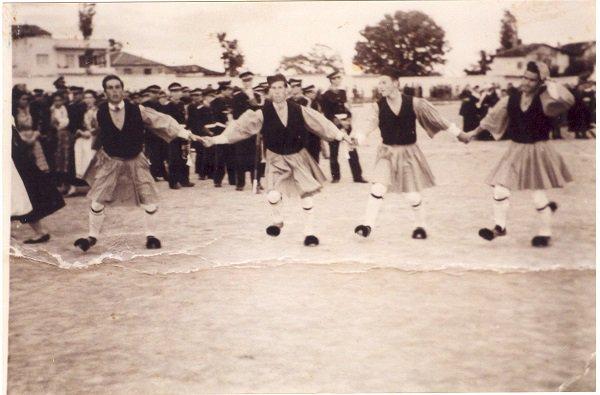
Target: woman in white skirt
(290, 169)
(85, 138)
(531, 162)
(400, 166)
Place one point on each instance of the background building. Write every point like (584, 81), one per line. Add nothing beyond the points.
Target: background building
(37, 54)
(512, 62)
(126, 63)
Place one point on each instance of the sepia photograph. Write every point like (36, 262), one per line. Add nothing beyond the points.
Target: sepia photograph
(299, 196)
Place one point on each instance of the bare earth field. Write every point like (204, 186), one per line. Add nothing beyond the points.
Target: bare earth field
(225, 308)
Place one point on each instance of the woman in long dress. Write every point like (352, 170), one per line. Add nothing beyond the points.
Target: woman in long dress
(85, 138)
(59, 119)
(28, 127)
(41, 191)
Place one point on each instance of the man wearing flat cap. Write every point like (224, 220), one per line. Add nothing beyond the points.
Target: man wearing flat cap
(178, 168)
(198, 117)
(296, 92)
(290, 168)
(334, 101)
(157, 149)
(60, 84)
(224, 154)
(245, 151)
(313, 143)
(207, 126)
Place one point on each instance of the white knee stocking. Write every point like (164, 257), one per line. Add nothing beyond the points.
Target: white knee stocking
(416, 202)
(275, 201)
(501, 204)
(542, 205)
(150, 219)
(96, 219)
(374, 204)
(307, 208)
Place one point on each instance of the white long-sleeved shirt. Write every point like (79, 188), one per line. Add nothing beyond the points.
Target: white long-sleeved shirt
(556, 99)
(163, 125)
(60, 116)
(250, 123)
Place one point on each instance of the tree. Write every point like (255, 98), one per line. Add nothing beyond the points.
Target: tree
(509, 37)
(86, 16)
(232, 56)
(482, 66)
(320, 60)
(114, 45)
(408, 43)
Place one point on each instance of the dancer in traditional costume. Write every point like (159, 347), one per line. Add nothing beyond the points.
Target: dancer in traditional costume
(531, 162)
(290, 168)
(400, 165)
(41, 198)
(120, 172)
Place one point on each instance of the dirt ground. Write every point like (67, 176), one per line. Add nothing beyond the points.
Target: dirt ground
(224, 308)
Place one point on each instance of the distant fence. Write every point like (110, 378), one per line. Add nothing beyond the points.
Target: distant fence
(364, 84)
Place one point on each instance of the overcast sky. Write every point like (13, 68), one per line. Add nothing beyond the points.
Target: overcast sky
(180, 33)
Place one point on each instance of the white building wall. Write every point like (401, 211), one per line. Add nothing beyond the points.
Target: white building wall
(39, 57)
(513, 66)
(34, 56)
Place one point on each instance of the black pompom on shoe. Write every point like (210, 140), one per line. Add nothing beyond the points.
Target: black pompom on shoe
(540, 241)
(41, 239)
(152, 243)
(419, 234)
(85, 243)
(491, 234)
(553, 206)
(311, 241)
(363, 230)
(274, 230)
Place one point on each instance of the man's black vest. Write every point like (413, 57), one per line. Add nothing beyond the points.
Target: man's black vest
(283, 140)
(398, 129)
(530, 126)
(126, 143)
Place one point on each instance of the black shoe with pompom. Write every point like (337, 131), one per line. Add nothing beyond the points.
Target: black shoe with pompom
(540, 241)
(311, 241)
(85, 243)
(419, 234)
(363, 230)
(152, 243)
(274, 230)
(491, 234)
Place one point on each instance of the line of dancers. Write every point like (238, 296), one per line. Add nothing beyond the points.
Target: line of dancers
(120, 173)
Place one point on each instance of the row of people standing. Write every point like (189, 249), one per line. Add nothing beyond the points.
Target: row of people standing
(211, 110)
(61, 128)
(580, 119)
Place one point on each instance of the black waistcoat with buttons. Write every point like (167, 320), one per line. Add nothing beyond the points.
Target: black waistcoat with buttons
(528, 126)
(283, 140)
(126, 143)
(398, 129)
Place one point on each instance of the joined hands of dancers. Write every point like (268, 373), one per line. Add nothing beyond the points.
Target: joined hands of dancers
(401, 166)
